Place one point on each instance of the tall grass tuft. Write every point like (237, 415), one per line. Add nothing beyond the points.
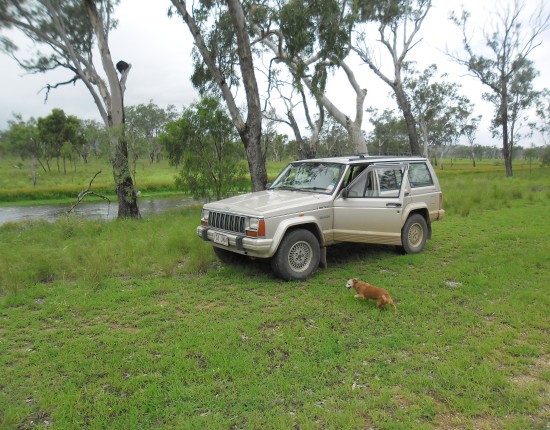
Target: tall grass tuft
(74, 248)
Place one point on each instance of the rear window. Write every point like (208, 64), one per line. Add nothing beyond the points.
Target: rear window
(419, 175)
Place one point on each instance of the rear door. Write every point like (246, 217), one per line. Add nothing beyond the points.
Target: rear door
(369, 210)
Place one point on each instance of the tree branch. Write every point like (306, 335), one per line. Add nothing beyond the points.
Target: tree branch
(87, 192)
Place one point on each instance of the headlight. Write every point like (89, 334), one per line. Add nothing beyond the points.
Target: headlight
(256, 227)
(204, 217)
(253, 223)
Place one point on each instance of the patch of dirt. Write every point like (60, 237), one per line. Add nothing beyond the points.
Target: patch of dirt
(34, 420)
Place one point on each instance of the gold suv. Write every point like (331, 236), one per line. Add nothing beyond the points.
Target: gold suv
(320, 202)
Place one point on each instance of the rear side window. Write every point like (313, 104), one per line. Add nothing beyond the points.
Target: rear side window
(419, 175)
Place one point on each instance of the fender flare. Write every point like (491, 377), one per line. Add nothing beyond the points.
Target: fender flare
(417, 208)
(290, 223)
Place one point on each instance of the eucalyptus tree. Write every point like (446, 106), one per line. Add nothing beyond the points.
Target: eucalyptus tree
(543, 112)
(334, 140)
(399, 22)
(144, 123)
(206, 145)
(307, 147)
(311, 38)
(450, 124)
(503, 65)
(389, 133)
(21, 138)
(440, 110)
(434, 101)
(470, 130)
(61, 136)
(223, 61)
(67, 34)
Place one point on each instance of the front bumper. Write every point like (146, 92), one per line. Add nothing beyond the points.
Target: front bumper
(239, 243)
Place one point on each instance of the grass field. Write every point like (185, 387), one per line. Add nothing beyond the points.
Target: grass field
(134, 324)
(151, 179)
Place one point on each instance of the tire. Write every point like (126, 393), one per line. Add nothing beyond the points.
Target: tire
(228, 257)
(414, 234)
(297, 257)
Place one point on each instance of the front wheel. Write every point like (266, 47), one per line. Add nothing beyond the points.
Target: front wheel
(414, 234)
(297, 257)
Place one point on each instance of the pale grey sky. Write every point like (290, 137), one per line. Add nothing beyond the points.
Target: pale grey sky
(159, 49)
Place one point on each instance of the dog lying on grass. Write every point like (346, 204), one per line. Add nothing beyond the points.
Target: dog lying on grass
(368, 291)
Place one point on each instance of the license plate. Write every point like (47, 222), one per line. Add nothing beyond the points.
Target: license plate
(221, 239)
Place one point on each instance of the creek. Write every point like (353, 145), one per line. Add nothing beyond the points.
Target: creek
(95, 210)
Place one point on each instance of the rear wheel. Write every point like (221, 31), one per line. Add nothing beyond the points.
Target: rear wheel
(297, 257)
(414, 234)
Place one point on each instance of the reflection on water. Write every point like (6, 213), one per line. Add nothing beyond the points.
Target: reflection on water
(97, 210)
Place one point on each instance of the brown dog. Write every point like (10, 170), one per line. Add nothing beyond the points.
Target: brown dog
(368, 291)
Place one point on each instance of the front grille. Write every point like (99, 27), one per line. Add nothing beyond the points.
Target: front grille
(229, 222)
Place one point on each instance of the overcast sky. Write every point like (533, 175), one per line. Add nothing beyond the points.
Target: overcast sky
(159, 49)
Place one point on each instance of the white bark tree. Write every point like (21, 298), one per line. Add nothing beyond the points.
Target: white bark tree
(399, 22)
(71, 30)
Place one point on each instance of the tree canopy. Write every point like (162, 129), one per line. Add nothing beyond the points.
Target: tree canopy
(204, 143)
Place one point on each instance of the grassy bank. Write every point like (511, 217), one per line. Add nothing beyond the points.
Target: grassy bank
(55, 186)
(134, 324)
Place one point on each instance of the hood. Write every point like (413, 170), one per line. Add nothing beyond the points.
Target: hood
(270, 203)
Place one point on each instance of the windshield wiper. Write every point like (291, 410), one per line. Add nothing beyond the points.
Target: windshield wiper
(284, 187)
(314, 189)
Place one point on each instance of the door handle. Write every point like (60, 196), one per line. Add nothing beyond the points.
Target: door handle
(393, 205)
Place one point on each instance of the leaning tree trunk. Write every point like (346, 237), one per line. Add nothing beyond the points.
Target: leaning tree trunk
(251, 133)
(251, 130)
(127, 197)
(410, 121)
(114, 104)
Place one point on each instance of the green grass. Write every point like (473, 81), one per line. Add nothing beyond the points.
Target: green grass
(134, 324)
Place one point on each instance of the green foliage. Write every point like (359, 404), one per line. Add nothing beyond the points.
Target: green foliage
(144, 123)
(321, 27)
(217, 30)
(205, 144)
(334, 140)
(389, 134)
(385, 12)
(60, 134)
(21, 138)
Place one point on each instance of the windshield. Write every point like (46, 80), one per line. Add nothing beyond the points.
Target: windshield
(310, 176)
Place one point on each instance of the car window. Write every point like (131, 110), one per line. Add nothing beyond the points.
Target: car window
(378, 182)
(359, 188)
(419, 175)
(390, 182)
(310, 177)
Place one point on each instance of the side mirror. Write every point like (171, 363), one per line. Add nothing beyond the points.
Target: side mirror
(345, 192)
(268, 185)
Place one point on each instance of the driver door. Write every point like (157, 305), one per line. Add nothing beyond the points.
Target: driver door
(369, 210)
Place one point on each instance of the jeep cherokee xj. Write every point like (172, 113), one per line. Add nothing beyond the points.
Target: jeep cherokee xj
(320, 202)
